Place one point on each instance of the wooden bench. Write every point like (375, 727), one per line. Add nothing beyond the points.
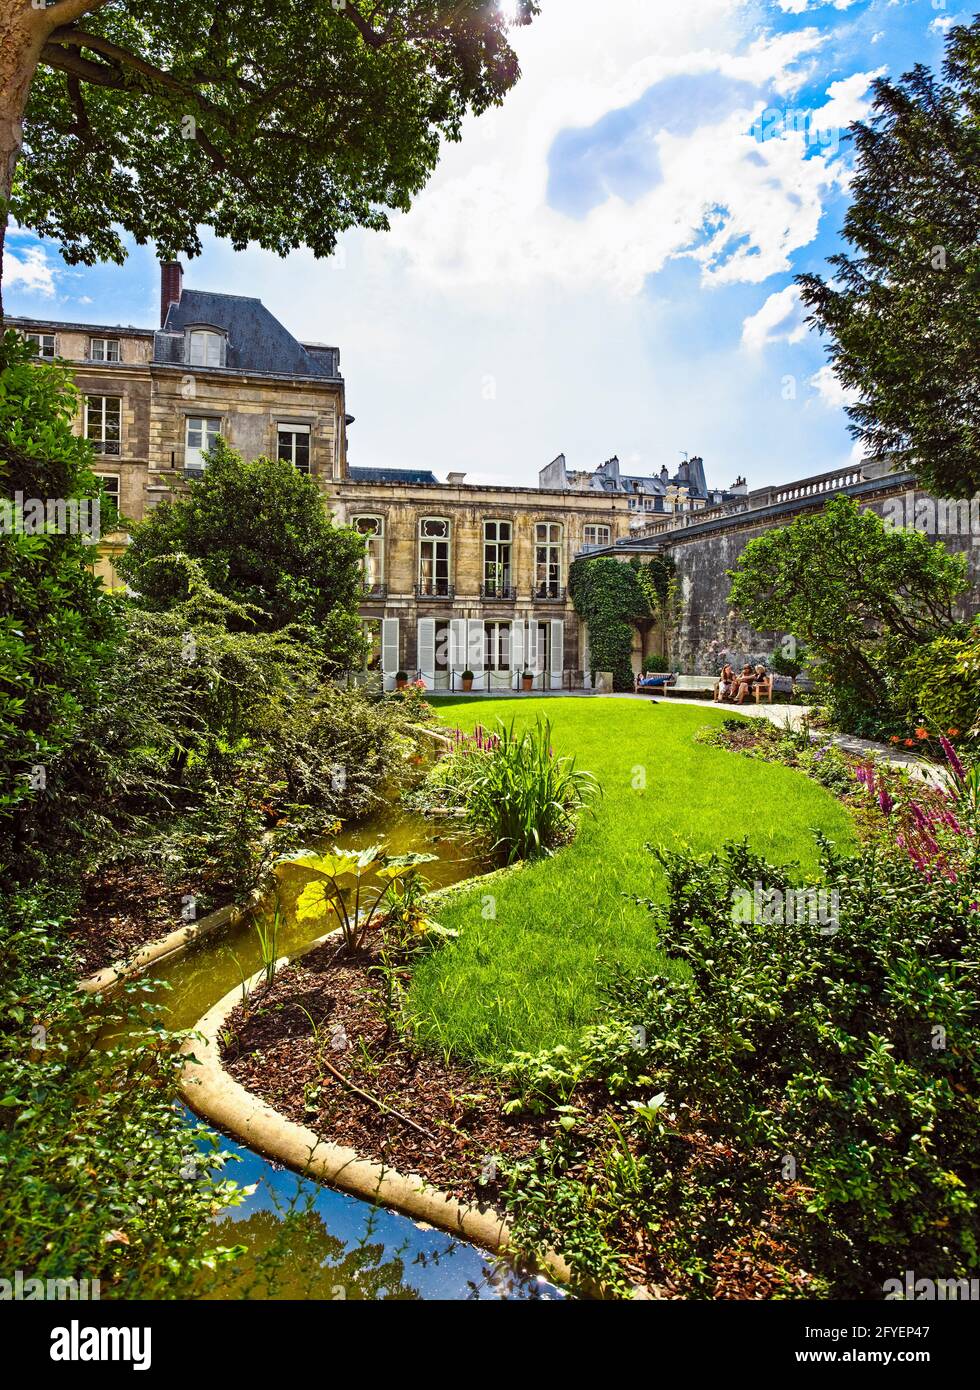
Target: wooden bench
(664, 680)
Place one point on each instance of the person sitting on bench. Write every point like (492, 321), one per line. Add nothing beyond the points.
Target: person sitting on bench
(750, 680)
(725, 684)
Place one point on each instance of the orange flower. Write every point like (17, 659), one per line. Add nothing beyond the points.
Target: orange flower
(952, 733)
(921, 733)
(910, 743)
(894, 739)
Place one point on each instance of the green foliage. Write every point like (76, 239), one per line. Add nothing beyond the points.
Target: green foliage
(903, 306)
(862, 596)
(849, 1050)
(100, 1177)
(613, 598)
(351, 889)
(127, 130)
(940, 684)
(56, 623)
(523, 797)
(262, 537)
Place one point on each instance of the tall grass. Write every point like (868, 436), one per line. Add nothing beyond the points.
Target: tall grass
(524, 797)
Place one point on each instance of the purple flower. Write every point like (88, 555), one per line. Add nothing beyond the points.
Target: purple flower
(885, 801)
(959, 771)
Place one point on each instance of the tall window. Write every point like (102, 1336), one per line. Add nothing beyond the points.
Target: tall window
(497, 646)
(597, 535)
(372, 528)
(547, 560)
(294, 446)
(434, 556)
(104, 350)
(205, 349)
(202, 432)
(109, 483)
(497, 538)
(103, 423)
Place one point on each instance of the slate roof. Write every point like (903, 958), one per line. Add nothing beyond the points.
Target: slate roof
(391, 475)
(257, 341)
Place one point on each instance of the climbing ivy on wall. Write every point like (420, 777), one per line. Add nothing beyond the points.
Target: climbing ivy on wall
(613, 598)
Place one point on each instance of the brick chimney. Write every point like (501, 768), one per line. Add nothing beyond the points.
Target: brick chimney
(171, 284)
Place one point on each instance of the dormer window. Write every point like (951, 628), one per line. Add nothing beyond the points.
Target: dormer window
(104, 350)
(205, 348)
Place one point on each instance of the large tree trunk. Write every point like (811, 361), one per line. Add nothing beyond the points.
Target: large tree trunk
(23, 32)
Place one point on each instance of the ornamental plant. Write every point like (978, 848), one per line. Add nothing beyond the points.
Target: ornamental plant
(350, 887)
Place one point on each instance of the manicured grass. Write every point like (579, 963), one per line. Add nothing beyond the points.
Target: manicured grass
(528, 978)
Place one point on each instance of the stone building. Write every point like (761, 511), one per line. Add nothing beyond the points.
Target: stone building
(648, 497)
(457, 577)
(153, 400)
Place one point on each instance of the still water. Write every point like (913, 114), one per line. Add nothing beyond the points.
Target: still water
(305, 1240)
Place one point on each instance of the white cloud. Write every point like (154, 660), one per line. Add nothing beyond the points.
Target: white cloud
(29, 270)
(830, 391)
(780, 320)
(484, 222)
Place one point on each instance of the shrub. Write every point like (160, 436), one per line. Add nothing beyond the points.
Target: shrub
(56, 623)
(262, 536)
(523, 797)
(656, 665)
(807, 1088)
(100, 1177)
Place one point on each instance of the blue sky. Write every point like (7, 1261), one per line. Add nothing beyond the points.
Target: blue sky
(605, 264)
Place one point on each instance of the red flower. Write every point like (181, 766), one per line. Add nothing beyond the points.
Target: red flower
(921, 733)
(910, 743)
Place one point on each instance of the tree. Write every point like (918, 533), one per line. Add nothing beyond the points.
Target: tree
(263, 538)
(57, 625)
(277, 121)
(611, 598)
(904, 305)
(862, 596)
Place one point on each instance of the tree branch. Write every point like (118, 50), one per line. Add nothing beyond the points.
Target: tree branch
(99, 74)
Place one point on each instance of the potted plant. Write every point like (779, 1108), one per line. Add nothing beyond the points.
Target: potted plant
(527, 680)
(401, 680)
(467, 680)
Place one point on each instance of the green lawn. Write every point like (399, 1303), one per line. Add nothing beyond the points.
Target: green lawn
(528, 979)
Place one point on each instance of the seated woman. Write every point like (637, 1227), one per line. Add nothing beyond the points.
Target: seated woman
(743, 684)
(724, 684)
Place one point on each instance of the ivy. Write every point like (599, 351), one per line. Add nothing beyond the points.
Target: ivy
(613, 599)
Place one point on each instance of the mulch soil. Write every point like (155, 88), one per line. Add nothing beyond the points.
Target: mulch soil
(275, 1053)
(123, 908)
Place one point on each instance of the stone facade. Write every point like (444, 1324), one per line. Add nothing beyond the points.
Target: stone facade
(497, 601)
(458, 578)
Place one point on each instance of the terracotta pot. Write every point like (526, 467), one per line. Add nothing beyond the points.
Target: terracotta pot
(467, 684)
(527, 682)
(401, 685)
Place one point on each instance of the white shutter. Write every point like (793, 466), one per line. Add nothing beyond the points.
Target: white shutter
(427, 651)
(557, 653)
(531, 657)
(517, 650)
(457, 644)
(476, 648)
(389, 651)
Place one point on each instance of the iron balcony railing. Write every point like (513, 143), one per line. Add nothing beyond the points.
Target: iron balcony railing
(434, 588)
(504, 593)
(550, 593)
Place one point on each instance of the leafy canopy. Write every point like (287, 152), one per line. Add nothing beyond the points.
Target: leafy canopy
(904, 305)
(282, 122)
(262, 538)
(861, 595)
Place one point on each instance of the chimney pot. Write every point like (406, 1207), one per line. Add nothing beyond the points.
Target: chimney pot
(171, 286)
